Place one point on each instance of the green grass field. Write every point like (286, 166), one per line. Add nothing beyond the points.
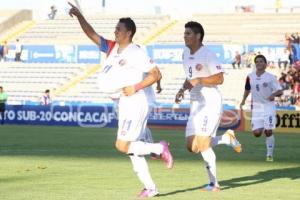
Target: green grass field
(69, 163)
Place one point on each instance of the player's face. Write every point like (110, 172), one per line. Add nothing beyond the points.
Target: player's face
(121, 33)
(190, 38)
(260, 64)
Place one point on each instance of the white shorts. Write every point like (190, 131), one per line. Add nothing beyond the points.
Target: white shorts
(133, 116)
(265, 120)
(204, 119)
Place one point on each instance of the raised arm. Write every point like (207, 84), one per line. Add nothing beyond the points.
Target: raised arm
(86, 27)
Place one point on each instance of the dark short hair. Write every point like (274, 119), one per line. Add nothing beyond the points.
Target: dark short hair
(196, 28)
(1, 87)
(129, 24)
(260, 56)
(46, 91)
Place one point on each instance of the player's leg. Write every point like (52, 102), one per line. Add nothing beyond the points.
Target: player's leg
(141, 169)
(228, 138)
(201, 127)
(133, 115)
(132, 123)
(148, 138)
(257, 123)
(270, 124)
(148, 135)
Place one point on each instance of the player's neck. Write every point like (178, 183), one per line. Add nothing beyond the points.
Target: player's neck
(122, 46)
(195, 48)
(259, 72)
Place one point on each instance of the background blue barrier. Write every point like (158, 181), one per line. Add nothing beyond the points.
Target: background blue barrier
(83, 115)
(159, 53)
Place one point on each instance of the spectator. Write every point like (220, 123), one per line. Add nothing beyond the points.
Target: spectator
(237, 60)
(19, 48)
(52, 13)
(283, 59)
(295, 38)
(277, 5)
(1, 51)
(45, 99)
(5, 50)
(3, 99)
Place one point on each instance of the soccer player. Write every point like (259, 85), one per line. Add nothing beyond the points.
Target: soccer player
(263, 87)
(203, 73)
(128, 67)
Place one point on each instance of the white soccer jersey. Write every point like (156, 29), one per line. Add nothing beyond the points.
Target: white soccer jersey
(263, 110)
(262, 87)
(124, 69)
(202, 63)
(206, 102)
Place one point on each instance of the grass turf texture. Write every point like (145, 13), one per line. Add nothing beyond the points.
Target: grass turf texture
(70, 163)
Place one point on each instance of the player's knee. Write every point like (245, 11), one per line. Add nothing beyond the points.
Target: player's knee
(268, 133)
(192, 147)
(121, 147)
(203, 148)
(257, 133)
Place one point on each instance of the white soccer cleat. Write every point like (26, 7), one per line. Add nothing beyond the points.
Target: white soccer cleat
(234, 143)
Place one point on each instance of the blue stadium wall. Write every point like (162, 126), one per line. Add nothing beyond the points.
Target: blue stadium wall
(159, 53)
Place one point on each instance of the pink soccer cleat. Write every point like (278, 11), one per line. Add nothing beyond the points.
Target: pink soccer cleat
(166, 155)
(147, 193)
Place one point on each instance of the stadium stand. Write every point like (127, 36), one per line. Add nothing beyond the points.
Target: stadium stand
(67, 30)
(243, 28)
(26, 81)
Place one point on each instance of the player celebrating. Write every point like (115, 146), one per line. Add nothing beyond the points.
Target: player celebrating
(128, 67)
(264, 87)
(203, 74)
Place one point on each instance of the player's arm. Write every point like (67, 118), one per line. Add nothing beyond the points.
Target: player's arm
(246, 92)
(180, 94)
(158, 86)
(275, 94)
(215, 79)
(153, 76)
(277, 88)
(86, 27)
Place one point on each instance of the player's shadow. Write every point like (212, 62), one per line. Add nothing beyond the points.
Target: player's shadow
(260, 177)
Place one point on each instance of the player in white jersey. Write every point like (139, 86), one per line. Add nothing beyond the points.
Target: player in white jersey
(129, 70)
(263, 87)
(203, 73)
